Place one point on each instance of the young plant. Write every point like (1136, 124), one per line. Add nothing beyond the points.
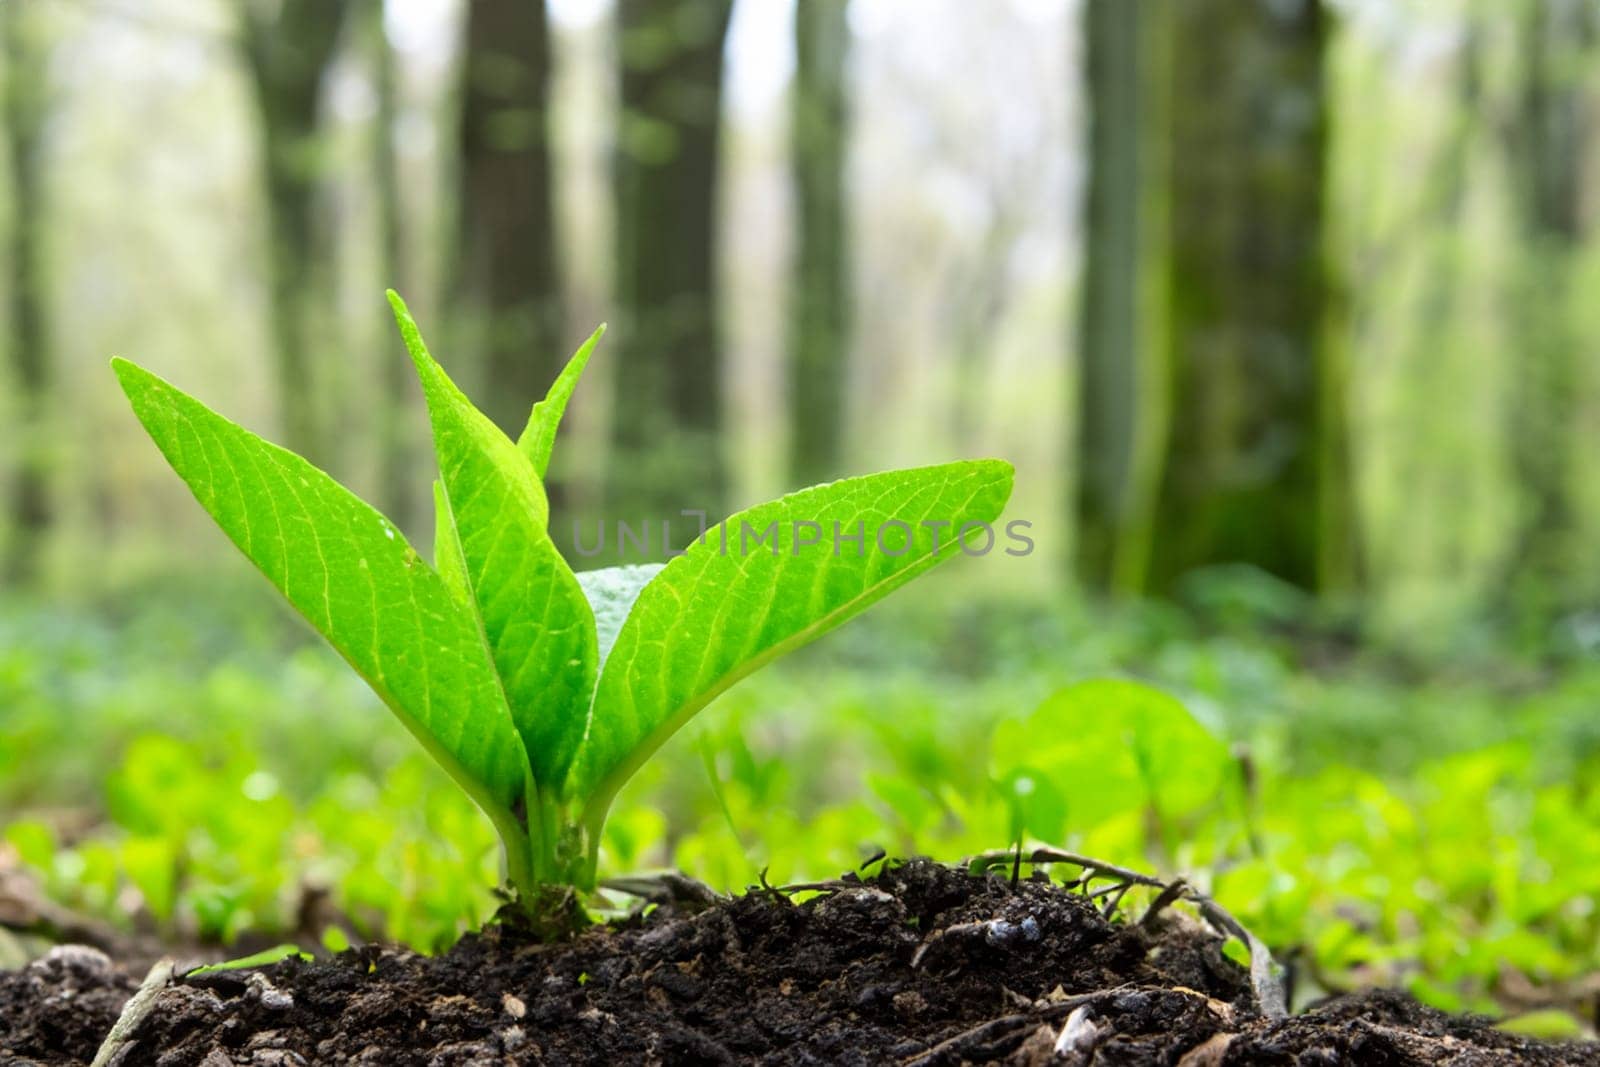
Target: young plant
(539, 690)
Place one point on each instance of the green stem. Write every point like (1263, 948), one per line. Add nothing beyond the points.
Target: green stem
(520, 865)
(546, 853)
(593, 822)
(546, 820)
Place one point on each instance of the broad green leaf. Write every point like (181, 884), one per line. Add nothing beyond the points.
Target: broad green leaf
(611, 592)
(447, 549)
(1035, 805)
(355, 579)
(535, 619)
(731, 603)
(1112, 746)
(539, 436)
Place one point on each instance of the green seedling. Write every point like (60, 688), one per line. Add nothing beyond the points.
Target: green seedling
(265, 958)
(539, 690)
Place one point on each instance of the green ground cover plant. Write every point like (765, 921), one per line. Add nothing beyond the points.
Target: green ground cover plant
(1433, 835)
(539, 690)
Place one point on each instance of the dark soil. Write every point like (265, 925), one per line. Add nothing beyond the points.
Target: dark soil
(923, 964)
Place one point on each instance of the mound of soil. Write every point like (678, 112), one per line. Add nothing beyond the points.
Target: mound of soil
(921, 965)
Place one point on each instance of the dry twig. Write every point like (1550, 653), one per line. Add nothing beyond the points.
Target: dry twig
(1266, 977)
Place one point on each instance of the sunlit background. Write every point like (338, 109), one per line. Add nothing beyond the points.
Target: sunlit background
(964, 172)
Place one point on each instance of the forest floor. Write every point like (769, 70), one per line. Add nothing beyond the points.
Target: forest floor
(921, 964)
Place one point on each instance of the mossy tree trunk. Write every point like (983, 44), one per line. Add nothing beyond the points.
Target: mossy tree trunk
(507, 286)
(1549, 141)
(25, 86)
(668, 409)
(1256, 457)
(1122, 319)
(819, 320)
(288, 48)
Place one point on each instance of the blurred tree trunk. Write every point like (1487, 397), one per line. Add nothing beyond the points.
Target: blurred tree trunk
(819, 320)
(397, 467)
(26, 108)
(1122, 338)
(667, 415)
(1549, 141)
(1256, 461)
(507, 288)
(1446, 188)
(288, 48)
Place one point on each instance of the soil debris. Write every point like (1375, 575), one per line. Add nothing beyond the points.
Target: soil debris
(921, 965)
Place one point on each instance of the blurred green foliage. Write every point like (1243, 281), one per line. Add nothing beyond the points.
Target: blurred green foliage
(1436, 834)
(1397, 789)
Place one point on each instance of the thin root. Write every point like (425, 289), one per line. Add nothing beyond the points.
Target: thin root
(1266, 977)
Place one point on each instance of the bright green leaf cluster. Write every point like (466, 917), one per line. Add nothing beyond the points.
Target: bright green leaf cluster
(539, 690)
